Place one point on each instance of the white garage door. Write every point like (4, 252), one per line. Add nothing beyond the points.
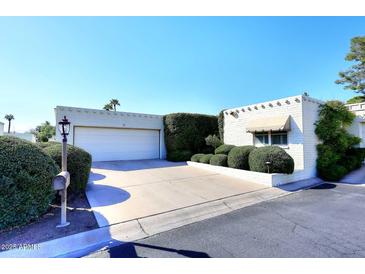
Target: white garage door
(109, 144)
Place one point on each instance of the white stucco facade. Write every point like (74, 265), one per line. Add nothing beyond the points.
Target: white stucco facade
(110, 123)
(1, 128)
(302, 112)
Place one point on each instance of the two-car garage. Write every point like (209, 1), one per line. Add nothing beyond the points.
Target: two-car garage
(111, 136)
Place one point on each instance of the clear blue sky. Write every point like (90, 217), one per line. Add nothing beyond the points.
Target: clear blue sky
(167, 64)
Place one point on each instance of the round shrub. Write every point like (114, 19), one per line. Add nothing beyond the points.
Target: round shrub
(223, 149)
(205, 159)
(218, 160)
(196, 157)
(281, 162)
(238, 157)
(26, 174)
(78, 164)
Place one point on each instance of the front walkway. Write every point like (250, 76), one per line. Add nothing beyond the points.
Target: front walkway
(120, 191)
(356, 177)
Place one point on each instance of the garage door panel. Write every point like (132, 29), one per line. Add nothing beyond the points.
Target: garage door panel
(108, 144)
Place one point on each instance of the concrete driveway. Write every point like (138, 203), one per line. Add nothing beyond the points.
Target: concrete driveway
(121, 191)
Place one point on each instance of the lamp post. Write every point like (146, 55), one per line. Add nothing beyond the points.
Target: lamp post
(62, 180)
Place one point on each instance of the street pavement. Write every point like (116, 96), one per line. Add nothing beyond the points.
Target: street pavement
(325, 221)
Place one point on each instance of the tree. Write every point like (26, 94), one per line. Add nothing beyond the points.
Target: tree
(44, 132)
(354, 78)
(114, 103)
(9, 117)
(356, 99)
(336, 153)
(108, 107)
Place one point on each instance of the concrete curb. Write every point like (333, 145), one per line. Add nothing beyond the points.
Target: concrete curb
(81, 244)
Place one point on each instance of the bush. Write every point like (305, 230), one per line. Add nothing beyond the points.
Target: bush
(196, 157)
(179, 156)
(281, 162)
(238, 157)
(213, 141)
(205, 159)
(26, 174)
(78, 164)
(336, 153)
(218, 160)
(186, 132)
(223, 149)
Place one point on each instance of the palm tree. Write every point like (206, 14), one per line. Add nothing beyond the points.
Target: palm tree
(108, 107)
(9, 117)
(114, 103)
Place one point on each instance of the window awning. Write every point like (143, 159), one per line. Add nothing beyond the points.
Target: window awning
(278, 123)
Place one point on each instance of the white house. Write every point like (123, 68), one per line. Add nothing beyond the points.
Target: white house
(110, 135)
(287, 122)
(1, 128)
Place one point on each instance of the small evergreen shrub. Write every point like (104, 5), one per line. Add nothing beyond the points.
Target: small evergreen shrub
(218, 160)
(213, 141)
(196, 157)
(205, 159)
(78, 164)
(281, 162)
(223, 149)
(46, 144)
(26, 174)
(238, 157)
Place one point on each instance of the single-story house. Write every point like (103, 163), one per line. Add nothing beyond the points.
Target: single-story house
(114, 135)
(288, 123)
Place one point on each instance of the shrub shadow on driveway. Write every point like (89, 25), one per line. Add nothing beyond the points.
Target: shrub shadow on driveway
(114, 195)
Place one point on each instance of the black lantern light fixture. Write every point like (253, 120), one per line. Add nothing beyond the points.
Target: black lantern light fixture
(64, 128)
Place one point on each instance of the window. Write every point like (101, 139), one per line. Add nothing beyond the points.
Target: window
(271, 138)
(262, 138)
(279, 138)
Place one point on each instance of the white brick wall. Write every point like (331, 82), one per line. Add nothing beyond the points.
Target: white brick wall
(102, 118)
(303, 113)
(1, 128)
(357, 128)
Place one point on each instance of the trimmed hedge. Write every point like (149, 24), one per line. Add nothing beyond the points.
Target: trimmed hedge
(205, 159)
(238, 157)
(218, 160)
(185, 134)
(26, 174)
(78, 164)
(281, 162)
(47, 144)
(196, 157)
(223, 149)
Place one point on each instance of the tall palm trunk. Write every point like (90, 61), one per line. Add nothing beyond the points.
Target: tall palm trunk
(9, 126)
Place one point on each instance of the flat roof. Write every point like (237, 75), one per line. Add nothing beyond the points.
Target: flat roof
(102, 111)
(300, 96)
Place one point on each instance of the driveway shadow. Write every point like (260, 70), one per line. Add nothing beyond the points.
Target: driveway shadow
(96, 176)
(135, 165)
(110, 195)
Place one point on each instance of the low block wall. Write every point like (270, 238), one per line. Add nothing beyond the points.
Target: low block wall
(274, 179)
